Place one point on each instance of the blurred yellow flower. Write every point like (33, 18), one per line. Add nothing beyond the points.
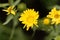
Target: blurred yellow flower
(57, 37)
(46, 21)
(29, 18)
(10, 10)
(55, 16)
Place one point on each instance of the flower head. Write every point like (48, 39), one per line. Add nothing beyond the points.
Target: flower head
(55, 16)
(29, 18)
(10, 10)
(57, 37)
(46, 21)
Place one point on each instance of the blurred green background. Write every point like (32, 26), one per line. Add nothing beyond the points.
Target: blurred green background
(43, 6)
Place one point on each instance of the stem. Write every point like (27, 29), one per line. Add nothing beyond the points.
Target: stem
(55, 31)
(54, 27)
(12, 33)
(33, 34)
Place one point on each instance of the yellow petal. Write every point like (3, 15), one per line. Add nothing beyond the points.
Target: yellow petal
(8, 13)
(13, 12)
(24, 26)
(5, 10)
(27, 28)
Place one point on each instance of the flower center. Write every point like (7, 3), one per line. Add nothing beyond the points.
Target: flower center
(10, 9)
(57, 16)
(30, 19)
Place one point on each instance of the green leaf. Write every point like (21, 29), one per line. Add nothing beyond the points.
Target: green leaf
(16, 2)
(19, 35)
(8, 19)
(51, 35)
(3, 4)
(4, 32)
(11, 2)
(1, 28)
(57, 28)
(15, 23)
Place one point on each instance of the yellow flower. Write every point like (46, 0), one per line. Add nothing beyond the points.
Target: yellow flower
(57, 37)
(46, 21)
(29, 18)
(55, 16)
(10, 10)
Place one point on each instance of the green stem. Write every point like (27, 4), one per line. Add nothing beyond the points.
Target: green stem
(54, 27)
(12, 33)
(33, 34)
